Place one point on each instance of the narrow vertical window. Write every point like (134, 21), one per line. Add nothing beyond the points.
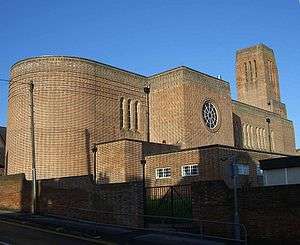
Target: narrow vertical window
(121, 109)
(246, 73)
(252, 137)
(244, 136)
(251, 72)
(257, 138)
(264, 139)
(255, 68)
(270, 71)
(273, 141)
(136, 116)
(248, 136)
(261, 139)
(129, 114)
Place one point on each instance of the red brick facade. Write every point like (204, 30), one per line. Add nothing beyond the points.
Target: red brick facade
(79, 103)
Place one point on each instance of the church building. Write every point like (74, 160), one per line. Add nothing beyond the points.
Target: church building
(177, 126)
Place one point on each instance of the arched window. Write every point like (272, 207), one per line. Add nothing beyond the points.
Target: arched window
(136, 116)
(129, 114)
(121, 109)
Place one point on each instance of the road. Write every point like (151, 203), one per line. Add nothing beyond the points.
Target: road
(18, 228)
(21, 234)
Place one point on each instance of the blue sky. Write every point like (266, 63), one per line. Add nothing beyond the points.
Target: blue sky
(150, 36)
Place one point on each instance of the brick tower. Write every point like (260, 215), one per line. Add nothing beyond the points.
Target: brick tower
(257, 79)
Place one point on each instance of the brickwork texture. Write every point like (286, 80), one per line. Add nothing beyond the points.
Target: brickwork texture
(269, 213)
(79, 103)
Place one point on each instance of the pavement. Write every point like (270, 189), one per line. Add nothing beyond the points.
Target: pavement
(20, 228)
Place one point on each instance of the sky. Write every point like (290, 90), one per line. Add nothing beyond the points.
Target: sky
(150, 36)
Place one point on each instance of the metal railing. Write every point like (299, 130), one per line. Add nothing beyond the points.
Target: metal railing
(205, 229)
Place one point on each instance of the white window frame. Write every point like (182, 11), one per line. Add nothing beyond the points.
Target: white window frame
(164, 172)
(190, 166)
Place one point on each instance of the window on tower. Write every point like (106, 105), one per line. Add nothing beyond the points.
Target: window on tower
(129, 114)
(251, 71)
(246, 73)
(255, 69)
(121, 113)
(136, 115)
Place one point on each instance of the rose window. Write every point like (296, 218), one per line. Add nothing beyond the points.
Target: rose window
(210, 115)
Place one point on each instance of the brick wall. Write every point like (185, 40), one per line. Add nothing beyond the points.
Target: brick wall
(259, 85)
(281, 129)
(213, 163)
(76, 198)
(76, 182)
(15, 193)
(269, 213)
(120, 161)
(176, 102)
(76, 103)
(119, 203)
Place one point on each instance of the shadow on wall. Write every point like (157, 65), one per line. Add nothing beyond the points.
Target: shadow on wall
(88, 150)
(237, 131)
(270, 214)
(102, 178)
(78, 197)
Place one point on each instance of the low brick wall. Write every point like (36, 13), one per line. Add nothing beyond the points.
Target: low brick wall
(120, 198)
(77, 182)
(15, 193)
(269, 213)
(120, 203)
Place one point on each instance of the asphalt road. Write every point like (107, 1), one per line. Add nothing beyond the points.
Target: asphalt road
(18, 234)
(18, 228)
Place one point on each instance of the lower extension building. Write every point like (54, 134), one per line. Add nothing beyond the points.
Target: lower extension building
(92, 118)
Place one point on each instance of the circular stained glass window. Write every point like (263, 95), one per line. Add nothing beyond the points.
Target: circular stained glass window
(210, 115)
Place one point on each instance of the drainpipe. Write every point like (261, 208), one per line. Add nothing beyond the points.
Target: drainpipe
(94, 150)
(147, 92)
(268, 120)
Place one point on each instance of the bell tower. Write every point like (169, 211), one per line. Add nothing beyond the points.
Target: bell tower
(257, 79)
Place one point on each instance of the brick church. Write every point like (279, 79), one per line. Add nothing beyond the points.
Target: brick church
(181, 125)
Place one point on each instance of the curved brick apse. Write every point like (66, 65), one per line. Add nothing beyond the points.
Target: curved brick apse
(76, 103)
